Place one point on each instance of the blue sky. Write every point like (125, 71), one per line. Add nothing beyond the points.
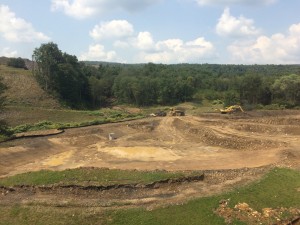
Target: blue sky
(159, 31)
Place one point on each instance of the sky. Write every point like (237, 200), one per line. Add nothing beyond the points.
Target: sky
(158, 31)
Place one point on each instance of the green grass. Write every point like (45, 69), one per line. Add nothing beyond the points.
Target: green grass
(23, 215)
(279, 188)
(16, 116)
(93, 176)
(4, 69)
(22, 119)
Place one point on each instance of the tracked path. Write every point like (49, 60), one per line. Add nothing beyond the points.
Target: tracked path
(210, 141)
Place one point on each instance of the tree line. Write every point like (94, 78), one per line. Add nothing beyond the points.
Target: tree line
(94, 84)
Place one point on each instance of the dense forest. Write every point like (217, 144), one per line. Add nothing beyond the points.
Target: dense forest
(95, 84)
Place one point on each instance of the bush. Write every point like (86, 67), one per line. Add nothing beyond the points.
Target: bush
(217, 102)
(274, 107)
(231, 98)
(17, 63)
(4, 130)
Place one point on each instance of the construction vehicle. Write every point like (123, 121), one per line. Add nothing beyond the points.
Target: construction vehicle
(158, 113)
(176, 112)
(232, 109)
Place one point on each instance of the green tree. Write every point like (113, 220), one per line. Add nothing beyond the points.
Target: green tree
(47, 57)
(250, 88)
(100, 90)
(4, 131)
(287, 88)
(231, 98)
(62, 74)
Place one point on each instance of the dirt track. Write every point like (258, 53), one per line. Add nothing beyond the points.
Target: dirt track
(207, 142)
(231, 150)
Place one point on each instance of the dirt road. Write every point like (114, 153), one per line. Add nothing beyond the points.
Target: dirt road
(206, 142)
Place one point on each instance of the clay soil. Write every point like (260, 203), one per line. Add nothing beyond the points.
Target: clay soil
(231, 150)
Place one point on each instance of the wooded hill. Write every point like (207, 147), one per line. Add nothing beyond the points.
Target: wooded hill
(99, 84)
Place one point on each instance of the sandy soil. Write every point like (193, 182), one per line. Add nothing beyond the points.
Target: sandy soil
(207, 142)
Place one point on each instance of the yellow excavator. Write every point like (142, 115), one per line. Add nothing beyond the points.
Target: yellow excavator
(232, 109)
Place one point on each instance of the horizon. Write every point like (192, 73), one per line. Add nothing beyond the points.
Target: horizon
(145, 63)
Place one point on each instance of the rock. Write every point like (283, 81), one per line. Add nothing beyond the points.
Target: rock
(242, 206)
(266, 212)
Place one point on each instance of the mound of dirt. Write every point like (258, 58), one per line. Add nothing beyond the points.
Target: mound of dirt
(40, 133)
(221, 136)
(243, 212)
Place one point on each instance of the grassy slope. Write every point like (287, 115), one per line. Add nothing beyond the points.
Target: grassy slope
(23, 90)
(31, 108)
(279, 188)
(96, 176)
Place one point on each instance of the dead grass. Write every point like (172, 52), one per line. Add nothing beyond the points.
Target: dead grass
(23, 89)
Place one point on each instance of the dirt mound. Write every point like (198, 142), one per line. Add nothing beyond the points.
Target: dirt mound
(40, 133)
(243, 212)
(219, 137)
(144, 125)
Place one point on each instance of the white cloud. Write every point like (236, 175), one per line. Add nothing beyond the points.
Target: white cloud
(81, 9)
(231, 26)
(178, 51)
(112, 29)
(232, 2)
(142, 46)
(279, 48)
(121, 44)
(97, 53)
(144, 41)
(15, 29)
(7, 52)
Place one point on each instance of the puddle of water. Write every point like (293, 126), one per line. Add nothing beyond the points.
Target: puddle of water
(141, 153)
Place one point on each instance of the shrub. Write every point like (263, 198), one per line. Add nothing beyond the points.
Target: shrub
(17, 63)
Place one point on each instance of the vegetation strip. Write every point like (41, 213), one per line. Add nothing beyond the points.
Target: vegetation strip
(151, 185)
(91, 176)
(43, 133)
(27, 130)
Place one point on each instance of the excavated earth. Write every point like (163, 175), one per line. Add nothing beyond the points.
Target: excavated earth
(231, 150)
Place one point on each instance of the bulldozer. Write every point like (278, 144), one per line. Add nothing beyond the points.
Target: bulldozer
(158, 113)
(176, 112)
(232, 109)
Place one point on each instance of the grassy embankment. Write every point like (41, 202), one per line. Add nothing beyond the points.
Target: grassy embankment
(28, 107)
(279, 188)
(43, 119)
(95, 176)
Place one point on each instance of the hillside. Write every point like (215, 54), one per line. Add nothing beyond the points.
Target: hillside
(23, 89)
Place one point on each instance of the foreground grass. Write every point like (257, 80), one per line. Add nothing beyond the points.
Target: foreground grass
(279, 188)
(95, 176)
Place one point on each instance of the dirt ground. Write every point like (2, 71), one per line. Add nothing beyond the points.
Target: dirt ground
(232, 149)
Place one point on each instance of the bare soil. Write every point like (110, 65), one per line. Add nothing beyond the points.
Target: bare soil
(232, 150)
